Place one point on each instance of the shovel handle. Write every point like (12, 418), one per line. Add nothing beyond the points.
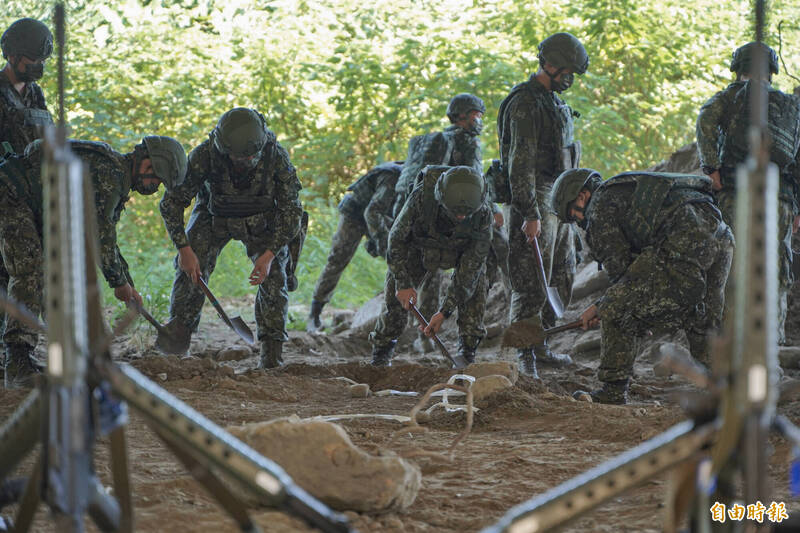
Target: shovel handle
(147, 316)
(214, 302)
(566, 327)
(436, 339)
(537, 254)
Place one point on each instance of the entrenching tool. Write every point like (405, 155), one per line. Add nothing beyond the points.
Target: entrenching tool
(552, 294)
(528, 332)
(458, 361)
(173, 337)
(236, 323)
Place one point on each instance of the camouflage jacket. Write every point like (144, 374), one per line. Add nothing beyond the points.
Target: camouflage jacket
(273, 182)
(110, 172)
(610, 237)
(714, 123)
(21, 116)
(536, 126)
(467, 245)
(371, 198)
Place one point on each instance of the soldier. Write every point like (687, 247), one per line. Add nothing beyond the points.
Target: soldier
(367, 210)
(26, 45)
(247, 190)
(446, 223)
(667, 251)
(156, 160)
(535, 130)
(722, 143)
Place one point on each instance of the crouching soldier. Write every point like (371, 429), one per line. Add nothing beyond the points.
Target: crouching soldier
(366, 210)
(156, 160)
(667, 252)
(247, 190)
(446, 223)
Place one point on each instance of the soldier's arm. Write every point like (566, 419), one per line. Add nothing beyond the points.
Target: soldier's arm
(522, 160)
(400, 241)
(288, 209)
(709, 121)
(470, 266)
(112, 264)
(607, 243)
(377, 214)
(178, 199)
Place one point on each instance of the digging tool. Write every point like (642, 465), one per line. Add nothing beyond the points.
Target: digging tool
(458, 361)
(552, 294)
(236, 323)
(529, 332)
(173, 337)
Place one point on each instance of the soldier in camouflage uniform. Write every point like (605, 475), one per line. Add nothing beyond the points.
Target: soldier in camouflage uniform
(458, 144)
(247, 190)
(667, 252)
(535, 130)
(446, 223)
(26, 45)
(156, 160)
(722, 143)
(367, 210)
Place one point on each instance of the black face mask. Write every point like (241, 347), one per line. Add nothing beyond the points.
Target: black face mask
(137, 183)
(32, 72)
(476, 128)
(563, 84)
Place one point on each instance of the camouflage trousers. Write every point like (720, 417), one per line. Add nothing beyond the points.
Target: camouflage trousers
(21, 248)
(726, 198)
(343, 247)
(208, 236)
(393, 317)
(528, 297)
(497, 260)
(678, 284)
(4, 278)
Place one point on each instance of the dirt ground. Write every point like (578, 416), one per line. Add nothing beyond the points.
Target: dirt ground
(528, 440)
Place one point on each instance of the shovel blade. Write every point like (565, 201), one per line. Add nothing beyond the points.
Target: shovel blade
(242, 330)
(522, 334)
(459, 362)
(555, 302)
(174, 338)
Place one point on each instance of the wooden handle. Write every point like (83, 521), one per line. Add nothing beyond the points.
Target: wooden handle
(436, 339)
(565, 327)
(214, 302)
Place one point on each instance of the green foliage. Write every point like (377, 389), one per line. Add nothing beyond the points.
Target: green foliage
(345, 84)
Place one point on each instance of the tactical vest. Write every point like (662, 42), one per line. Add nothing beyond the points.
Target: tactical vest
(783, 122)
(656, 196)
(441, 251)
(362, 191)
(255, 195)
(565, 151)
(26, 123)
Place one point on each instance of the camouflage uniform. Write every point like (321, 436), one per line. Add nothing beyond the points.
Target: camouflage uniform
(715, 123)
(261, 209)
(535, 130)
(21, 223)
(367, 210)
(22, 117)
(421, 242)
(670, 277)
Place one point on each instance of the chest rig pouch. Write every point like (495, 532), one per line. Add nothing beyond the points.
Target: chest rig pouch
(238, 198)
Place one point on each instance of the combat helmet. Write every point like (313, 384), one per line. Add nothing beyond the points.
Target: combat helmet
(27, 37)
(461, 191)
(566, 189)
(564, 51)
(463, 103)
(168, 159)
(241, 134)
(742, 57)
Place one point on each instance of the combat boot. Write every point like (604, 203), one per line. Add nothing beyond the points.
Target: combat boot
(20, 368)
(271, 354)
(527, 363)
(612, 392)
(382, 355)
(314, 322)
(467, 346)
(545, 355)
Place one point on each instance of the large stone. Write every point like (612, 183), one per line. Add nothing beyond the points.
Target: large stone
(589, 281)
(236, 353)
(589, 341)
(488, 385)
(789, 356)
(501, 368)
(320, 457)
(366, 317)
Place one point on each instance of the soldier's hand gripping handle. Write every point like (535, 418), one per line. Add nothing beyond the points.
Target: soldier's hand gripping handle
(188, 262)
(126, 293)
(531, 229)
(261, 268)
(406, 297)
